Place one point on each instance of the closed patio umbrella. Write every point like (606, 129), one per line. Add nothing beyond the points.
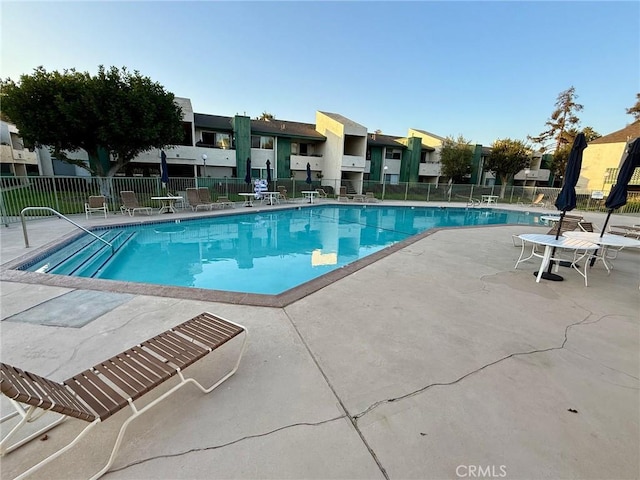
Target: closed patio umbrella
(164, 171)
(566, 200)
(308, 180)
(268, 172)
(247, 177)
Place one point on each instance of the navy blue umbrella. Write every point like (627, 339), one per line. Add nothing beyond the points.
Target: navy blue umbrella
(618, 195)
(308, 180)
(268, 172)
(163, 166)
(566, 200)
(247, 177)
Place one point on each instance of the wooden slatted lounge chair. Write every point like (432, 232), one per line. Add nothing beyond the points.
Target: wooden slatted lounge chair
(569, 224)
(131, 205)
(370, 197)
(96, 203)
(194, 200)
(108, 387)
(588, 227)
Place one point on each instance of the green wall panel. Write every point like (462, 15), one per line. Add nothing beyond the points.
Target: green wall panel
(475, 164)
(242, 134)
(411, 160)
(284, 158)
(376, 164)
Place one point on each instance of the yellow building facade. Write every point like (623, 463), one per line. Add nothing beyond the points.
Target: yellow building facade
(602, 156)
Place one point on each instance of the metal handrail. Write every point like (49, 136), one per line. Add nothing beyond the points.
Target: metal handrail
(24, 225)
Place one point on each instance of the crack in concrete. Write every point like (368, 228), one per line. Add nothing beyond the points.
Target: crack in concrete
(340, 402)
(227, 444)
(473, 372)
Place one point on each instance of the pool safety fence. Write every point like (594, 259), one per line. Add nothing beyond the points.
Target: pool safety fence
(68, 194)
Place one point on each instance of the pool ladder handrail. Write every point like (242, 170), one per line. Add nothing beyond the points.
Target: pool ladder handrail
(24, 225)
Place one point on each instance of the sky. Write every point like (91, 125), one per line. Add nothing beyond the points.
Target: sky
(484, 70)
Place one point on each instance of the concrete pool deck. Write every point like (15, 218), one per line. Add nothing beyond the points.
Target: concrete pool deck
(435, 361)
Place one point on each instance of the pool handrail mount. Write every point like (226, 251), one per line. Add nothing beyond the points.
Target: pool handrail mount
(24, 225)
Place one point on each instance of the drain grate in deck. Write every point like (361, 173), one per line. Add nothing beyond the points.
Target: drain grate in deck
(74, 309)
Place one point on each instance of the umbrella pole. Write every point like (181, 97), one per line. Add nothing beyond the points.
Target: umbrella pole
(548, 275)
(606, 221)
(604, 227)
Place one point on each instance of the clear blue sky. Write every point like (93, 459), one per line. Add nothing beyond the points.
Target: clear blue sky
(485, 70)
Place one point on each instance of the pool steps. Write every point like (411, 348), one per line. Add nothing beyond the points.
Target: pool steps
(88, 258)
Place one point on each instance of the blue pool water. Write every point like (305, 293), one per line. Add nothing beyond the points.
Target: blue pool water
(265, 252)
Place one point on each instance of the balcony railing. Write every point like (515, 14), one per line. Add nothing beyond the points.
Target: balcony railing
(353, 163)
(429, 169)
(299, 162)
(541, 175)
(10, 155)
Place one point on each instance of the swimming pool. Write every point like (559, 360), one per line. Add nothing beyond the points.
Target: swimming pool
(265, 252)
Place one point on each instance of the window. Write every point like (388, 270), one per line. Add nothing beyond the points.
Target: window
(393, 153)
(304, 148)
(610, 175)
(208, 138)
(223, 140)
(218, 140)
(264, 143)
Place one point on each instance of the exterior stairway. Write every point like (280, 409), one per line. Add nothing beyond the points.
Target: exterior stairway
(349, 185)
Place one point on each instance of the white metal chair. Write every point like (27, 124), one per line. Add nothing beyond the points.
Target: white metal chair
(96, 203)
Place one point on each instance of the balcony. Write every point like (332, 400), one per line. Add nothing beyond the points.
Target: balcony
(541, 175)
(429, 170)
(299, 162)
(9, 155)
(216, 157)
(353, 163)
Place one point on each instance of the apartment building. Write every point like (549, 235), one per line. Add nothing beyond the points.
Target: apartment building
(15, 159)
(338, 150)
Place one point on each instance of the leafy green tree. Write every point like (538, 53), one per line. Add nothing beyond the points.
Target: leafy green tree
(116, 111)
(456, 156)
(507, 158)
(635, 110)
(562, 119)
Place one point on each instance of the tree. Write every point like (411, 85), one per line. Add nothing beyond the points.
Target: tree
(562, 119)
(635, 110)
(507, 158)
(455, 157)
(115, 112)
(266, 116)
